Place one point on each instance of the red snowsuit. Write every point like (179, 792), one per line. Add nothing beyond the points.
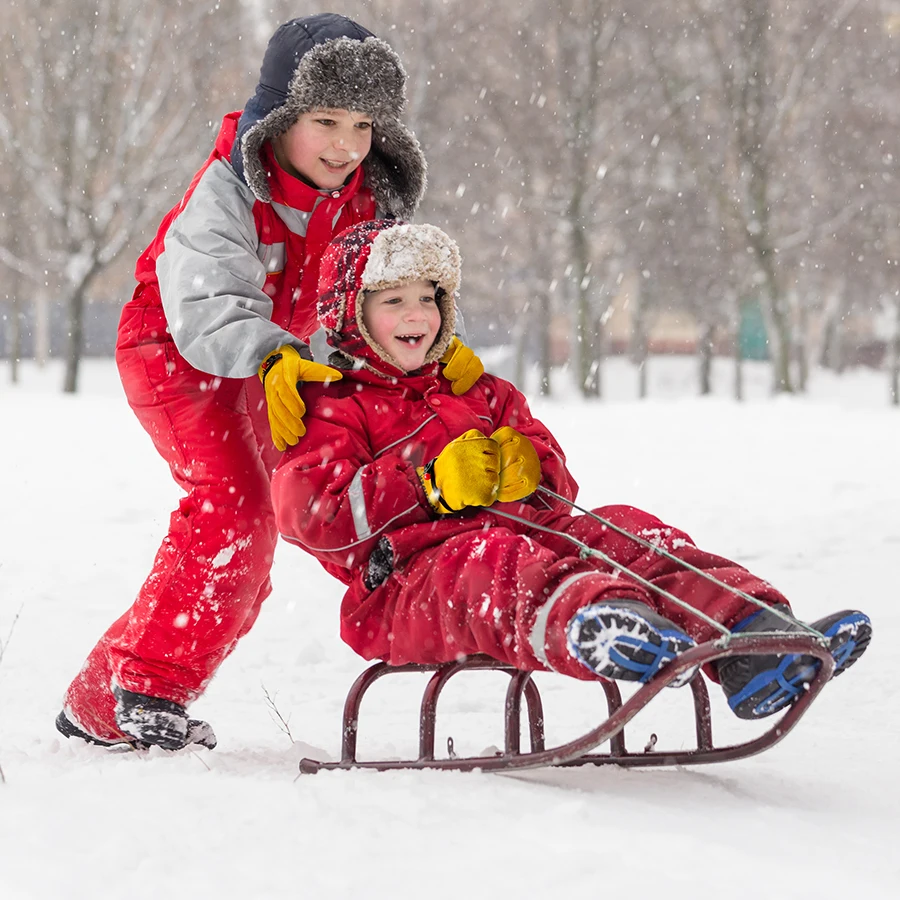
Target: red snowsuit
(212, 570)
(472, 582)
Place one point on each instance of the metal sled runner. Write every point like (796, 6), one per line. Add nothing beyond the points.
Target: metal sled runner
(612, 730)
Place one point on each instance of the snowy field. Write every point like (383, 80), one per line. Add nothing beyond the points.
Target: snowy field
(804, 491)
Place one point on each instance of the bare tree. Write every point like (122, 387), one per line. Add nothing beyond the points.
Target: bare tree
(715, 154)
(894, 354)
(742, 101)
(105, 123)
(16, 273)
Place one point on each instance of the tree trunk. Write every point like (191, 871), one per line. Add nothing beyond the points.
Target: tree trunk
(598, 342)
(41, 327)
(705, 348)
(74, 339)
(540, 307)
(543, 310)
(828, 350)
(15, 339)
(583, 124)
(757, 165)
(802, 343)
(837, 347)
(519, 335)
(585, 327)
(14, 334)
(643, 389)
(894, 365)
(778, 318)
(639, 341)
(738, 351)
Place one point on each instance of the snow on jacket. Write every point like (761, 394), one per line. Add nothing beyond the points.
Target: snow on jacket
(351, 481)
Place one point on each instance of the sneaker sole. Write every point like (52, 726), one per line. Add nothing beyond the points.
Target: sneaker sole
(776, 688)
(621, 644)
(69, 729)
(849, 638)
(199, 732)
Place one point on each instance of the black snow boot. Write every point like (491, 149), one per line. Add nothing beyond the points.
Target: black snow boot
(153, 721)
(758, 686)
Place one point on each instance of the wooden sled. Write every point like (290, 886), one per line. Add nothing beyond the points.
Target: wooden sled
(611, 730)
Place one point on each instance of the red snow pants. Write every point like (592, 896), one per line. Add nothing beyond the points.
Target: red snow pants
(510, 592)
(211, 573)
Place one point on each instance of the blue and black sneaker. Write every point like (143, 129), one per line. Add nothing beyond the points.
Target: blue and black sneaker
(759, 686)
(626, 640)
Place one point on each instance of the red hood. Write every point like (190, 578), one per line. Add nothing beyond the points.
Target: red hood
(375, 255)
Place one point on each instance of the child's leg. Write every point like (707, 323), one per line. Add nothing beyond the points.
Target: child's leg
(756, 686)
(495, 592)
(669, 575)
(212, 570)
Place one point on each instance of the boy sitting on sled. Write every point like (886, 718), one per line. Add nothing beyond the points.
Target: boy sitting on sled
(399, 486)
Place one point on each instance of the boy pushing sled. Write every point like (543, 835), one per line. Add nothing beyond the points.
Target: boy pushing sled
(402, 490)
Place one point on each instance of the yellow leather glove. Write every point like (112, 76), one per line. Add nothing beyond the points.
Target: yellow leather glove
(520, 468)
(464, 473)
(281, 371)
(461, 366)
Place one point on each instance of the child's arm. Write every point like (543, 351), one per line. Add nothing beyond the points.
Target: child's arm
(512, 410)
(333, 499)
(211, 280)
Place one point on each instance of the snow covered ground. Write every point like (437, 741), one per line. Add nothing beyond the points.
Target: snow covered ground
(804, 491)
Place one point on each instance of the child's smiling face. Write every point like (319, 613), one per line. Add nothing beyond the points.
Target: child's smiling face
(325, 146)
(404, 321)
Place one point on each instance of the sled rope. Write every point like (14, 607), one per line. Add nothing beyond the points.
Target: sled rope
(685, 565)
(618, 567)
(590, 551)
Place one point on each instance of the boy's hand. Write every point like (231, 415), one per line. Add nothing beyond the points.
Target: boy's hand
(281, 371)
(465, 473)
(461, 366)
(520, 468)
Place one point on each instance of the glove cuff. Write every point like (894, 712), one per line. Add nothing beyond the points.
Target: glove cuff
(432, 493)
(268, 364)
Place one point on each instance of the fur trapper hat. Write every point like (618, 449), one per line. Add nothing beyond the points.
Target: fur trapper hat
(376, 255)
(329, 61)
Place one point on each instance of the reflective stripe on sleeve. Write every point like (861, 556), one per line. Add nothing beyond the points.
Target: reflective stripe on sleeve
(358, 507)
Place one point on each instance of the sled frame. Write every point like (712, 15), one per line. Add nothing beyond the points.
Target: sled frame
(611, 730)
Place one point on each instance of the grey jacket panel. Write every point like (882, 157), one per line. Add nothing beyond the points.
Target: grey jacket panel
(211, 279)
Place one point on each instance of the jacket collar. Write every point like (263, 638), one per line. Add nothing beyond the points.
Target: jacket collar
(296, 193)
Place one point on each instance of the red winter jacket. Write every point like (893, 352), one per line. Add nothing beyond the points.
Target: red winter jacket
(222, 257)
(351, 480)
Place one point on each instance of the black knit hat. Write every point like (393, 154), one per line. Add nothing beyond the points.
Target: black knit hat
(329, 61)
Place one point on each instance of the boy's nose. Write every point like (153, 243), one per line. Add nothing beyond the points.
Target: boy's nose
(345, 142)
